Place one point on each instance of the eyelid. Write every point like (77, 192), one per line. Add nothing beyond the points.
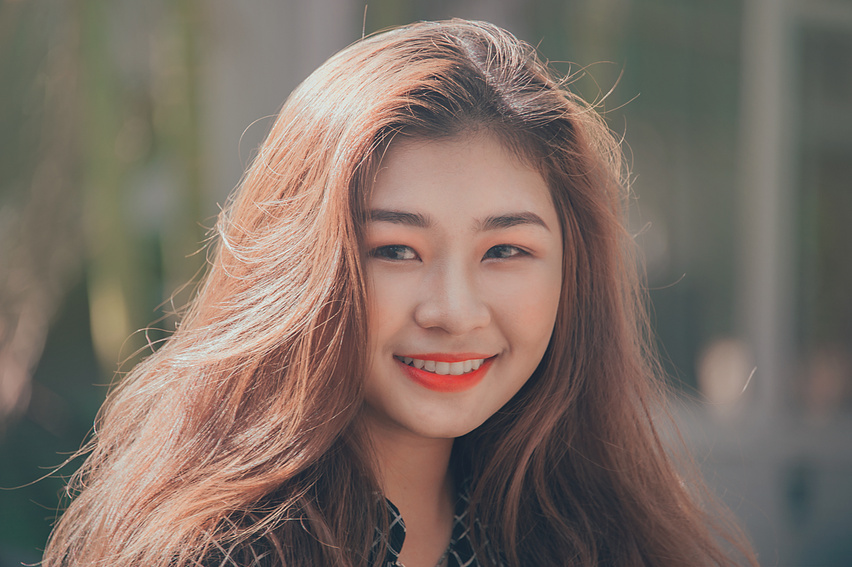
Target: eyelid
(518, 251)
(374, 252)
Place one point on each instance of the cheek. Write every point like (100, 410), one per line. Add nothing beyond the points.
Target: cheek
(528, 306)
(388, 302)
(533, 325)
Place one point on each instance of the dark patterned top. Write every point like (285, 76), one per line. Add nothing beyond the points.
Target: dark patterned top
(460, 552)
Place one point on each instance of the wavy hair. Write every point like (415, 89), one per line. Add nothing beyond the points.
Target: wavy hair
(244, 426)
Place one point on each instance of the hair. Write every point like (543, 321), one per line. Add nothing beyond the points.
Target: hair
(244, 426)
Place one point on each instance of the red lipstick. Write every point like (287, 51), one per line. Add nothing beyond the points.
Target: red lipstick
(446, 382)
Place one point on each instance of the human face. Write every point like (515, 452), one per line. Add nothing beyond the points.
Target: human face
(464, 264)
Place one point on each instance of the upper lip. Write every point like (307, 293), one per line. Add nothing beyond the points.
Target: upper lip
(447, 357)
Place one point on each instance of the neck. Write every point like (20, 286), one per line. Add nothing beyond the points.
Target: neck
(413, 473)
(413, 470)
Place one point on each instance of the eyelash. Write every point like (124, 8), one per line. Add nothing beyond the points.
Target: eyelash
(514, 249)
(388, 252)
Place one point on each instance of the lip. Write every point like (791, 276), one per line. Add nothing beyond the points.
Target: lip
(445, 357)
(446, 382)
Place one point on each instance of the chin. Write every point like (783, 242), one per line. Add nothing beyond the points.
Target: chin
(445, 430)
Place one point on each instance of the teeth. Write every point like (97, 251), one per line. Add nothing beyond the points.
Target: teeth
(444, 368)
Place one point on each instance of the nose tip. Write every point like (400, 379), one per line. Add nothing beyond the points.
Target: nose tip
(452, 303)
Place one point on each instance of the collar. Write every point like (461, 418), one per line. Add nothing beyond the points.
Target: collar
(460, 550)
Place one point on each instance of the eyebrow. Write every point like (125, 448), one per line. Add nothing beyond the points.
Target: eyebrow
(509, 220)
(494, 222)
(399, 217)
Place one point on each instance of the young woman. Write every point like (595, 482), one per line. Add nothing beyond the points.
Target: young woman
(421, 341)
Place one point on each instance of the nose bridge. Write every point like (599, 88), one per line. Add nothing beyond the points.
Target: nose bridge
(452, 299)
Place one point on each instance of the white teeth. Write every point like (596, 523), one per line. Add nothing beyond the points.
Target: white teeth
(444, 368)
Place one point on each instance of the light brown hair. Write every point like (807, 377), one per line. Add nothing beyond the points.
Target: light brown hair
(244, 427)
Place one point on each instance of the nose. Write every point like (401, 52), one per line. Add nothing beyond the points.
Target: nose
(452, 302)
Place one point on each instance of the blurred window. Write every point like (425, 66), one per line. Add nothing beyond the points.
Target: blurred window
(824, 295)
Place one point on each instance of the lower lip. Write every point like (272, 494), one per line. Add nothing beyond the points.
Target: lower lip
(446, 382)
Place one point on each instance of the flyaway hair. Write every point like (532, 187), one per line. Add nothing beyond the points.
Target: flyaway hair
(241, 436)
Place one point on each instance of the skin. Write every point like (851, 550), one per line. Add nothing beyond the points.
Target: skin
(464, 259)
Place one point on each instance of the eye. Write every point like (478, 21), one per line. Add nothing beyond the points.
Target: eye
(396, 252)
(504, 251)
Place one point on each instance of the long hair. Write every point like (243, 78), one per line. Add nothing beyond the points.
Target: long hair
(244, 427)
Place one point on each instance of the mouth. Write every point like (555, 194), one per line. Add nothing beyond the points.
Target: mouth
(446, 373)
(443, 367)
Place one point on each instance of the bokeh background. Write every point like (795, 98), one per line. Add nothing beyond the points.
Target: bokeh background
(124, 124)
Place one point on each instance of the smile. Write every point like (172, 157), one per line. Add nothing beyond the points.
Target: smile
(443, 368)
(453, 373)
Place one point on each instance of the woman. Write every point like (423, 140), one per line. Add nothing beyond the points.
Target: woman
(423, 304)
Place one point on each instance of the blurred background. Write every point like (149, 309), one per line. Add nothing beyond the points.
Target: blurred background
(125, 124)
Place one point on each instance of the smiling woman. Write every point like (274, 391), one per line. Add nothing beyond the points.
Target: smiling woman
(463, 266)
(421, 341)
(464, 275)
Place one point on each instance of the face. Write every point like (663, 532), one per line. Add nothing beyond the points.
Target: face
(464, 264)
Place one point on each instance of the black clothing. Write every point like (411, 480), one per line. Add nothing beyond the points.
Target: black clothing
(460, 552)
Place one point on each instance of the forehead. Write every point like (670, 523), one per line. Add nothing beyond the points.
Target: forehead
(462, 173)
